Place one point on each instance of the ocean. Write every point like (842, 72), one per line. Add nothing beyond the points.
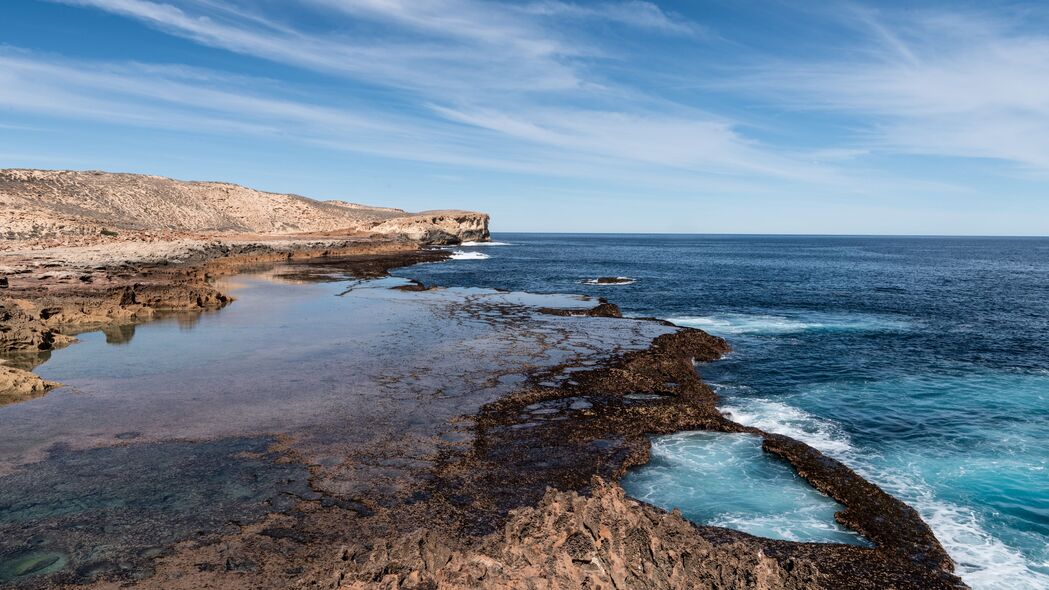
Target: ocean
(920, 362)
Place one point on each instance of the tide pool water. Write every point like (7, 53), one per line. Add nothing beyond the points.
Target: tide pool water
(172, 430)
(923, 363)
(742, 488)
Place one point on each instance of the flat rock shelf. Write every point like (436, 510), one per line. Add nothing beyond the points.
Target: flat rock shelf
(332, 431)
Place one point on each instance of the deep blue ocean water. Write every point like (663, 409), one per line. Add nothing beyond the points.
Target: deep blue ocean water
(923, 363)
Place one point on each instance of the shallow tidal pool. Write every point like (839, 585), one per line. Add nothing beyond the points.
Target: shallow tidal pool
(726, 480)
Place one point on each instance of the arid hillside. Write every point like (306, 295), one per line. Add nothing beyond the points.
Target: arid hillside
(49, 208)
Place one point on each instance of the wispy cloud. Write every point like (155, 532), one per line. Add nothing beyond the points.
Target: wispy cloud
(632, 13)
(469, 50)
(566, 143)
(938, 83)
(486, 84)
(692, 143)
(532, 88)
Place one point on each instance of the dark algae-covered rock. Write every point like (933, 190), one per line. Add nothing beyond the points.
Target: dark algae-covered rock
(329, 431)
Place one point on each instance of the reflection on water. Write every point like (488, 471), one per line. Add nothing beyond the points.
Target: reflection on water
(167, 433)
(119, 334)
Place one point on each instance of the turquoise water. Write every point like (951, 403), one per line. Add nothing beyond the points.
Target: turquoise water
(742, 488)
(922, 363)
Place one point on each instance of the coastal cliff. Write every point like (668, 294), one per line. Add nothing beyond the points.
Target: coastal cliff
(58, 208)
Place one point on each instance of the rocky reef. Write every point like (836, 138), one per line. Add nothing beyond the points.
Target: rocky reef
(17, 385)
(603, 539)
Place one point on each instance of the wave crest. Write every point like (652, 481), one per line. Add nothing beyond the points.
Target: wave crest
(464, 255)
(739, 323)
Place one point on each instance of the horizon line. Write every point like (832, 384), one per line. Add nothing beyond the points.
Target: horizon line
(775, 235)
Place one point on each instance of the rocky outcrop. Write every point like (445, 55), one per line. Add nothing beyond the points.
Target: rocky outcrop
(22, 329)
(49, 208)
(606, 540)
(439, 227)
(18, 385)
(571, 541)
(603, 309)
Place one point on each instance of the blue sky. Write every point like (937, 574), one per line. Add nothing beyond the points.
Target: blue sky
(714, 117)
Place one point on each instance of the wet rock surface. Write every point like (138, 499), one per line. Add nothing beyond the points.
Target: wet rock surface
(449, 437)
(602, 539)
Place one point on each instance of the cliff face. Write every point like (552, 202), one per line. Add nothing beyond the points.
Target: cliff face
(47, 208)
(439, 227)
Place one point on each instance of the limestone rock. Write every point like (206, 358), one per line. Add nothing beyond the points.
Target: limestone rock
(19, 385)
(51, 208)
(439, 227)
(605, 540)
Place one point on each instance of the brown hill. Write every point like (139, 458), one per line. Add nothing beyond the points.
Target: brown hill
(48, 208)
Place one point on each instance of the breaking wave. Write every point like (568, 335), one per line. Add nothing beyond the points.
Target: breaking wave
(737, 323)
(463, 255)
(982, 560)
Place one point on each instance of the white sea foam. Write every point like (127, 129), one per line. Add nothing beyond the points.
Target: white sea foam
(738, 323)
(476, 244)
(742, 488)
(619, 281)
(780, 418)
(983, 561)
(787, 526)
(463, 255)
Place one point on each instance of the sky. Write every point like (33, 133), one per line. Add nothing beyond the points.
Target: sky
(554, 115)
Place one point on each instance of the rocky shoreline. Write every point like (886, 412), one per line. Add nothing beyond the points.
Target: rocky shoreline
(48, 297)
(605, 431)
(533, 502)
